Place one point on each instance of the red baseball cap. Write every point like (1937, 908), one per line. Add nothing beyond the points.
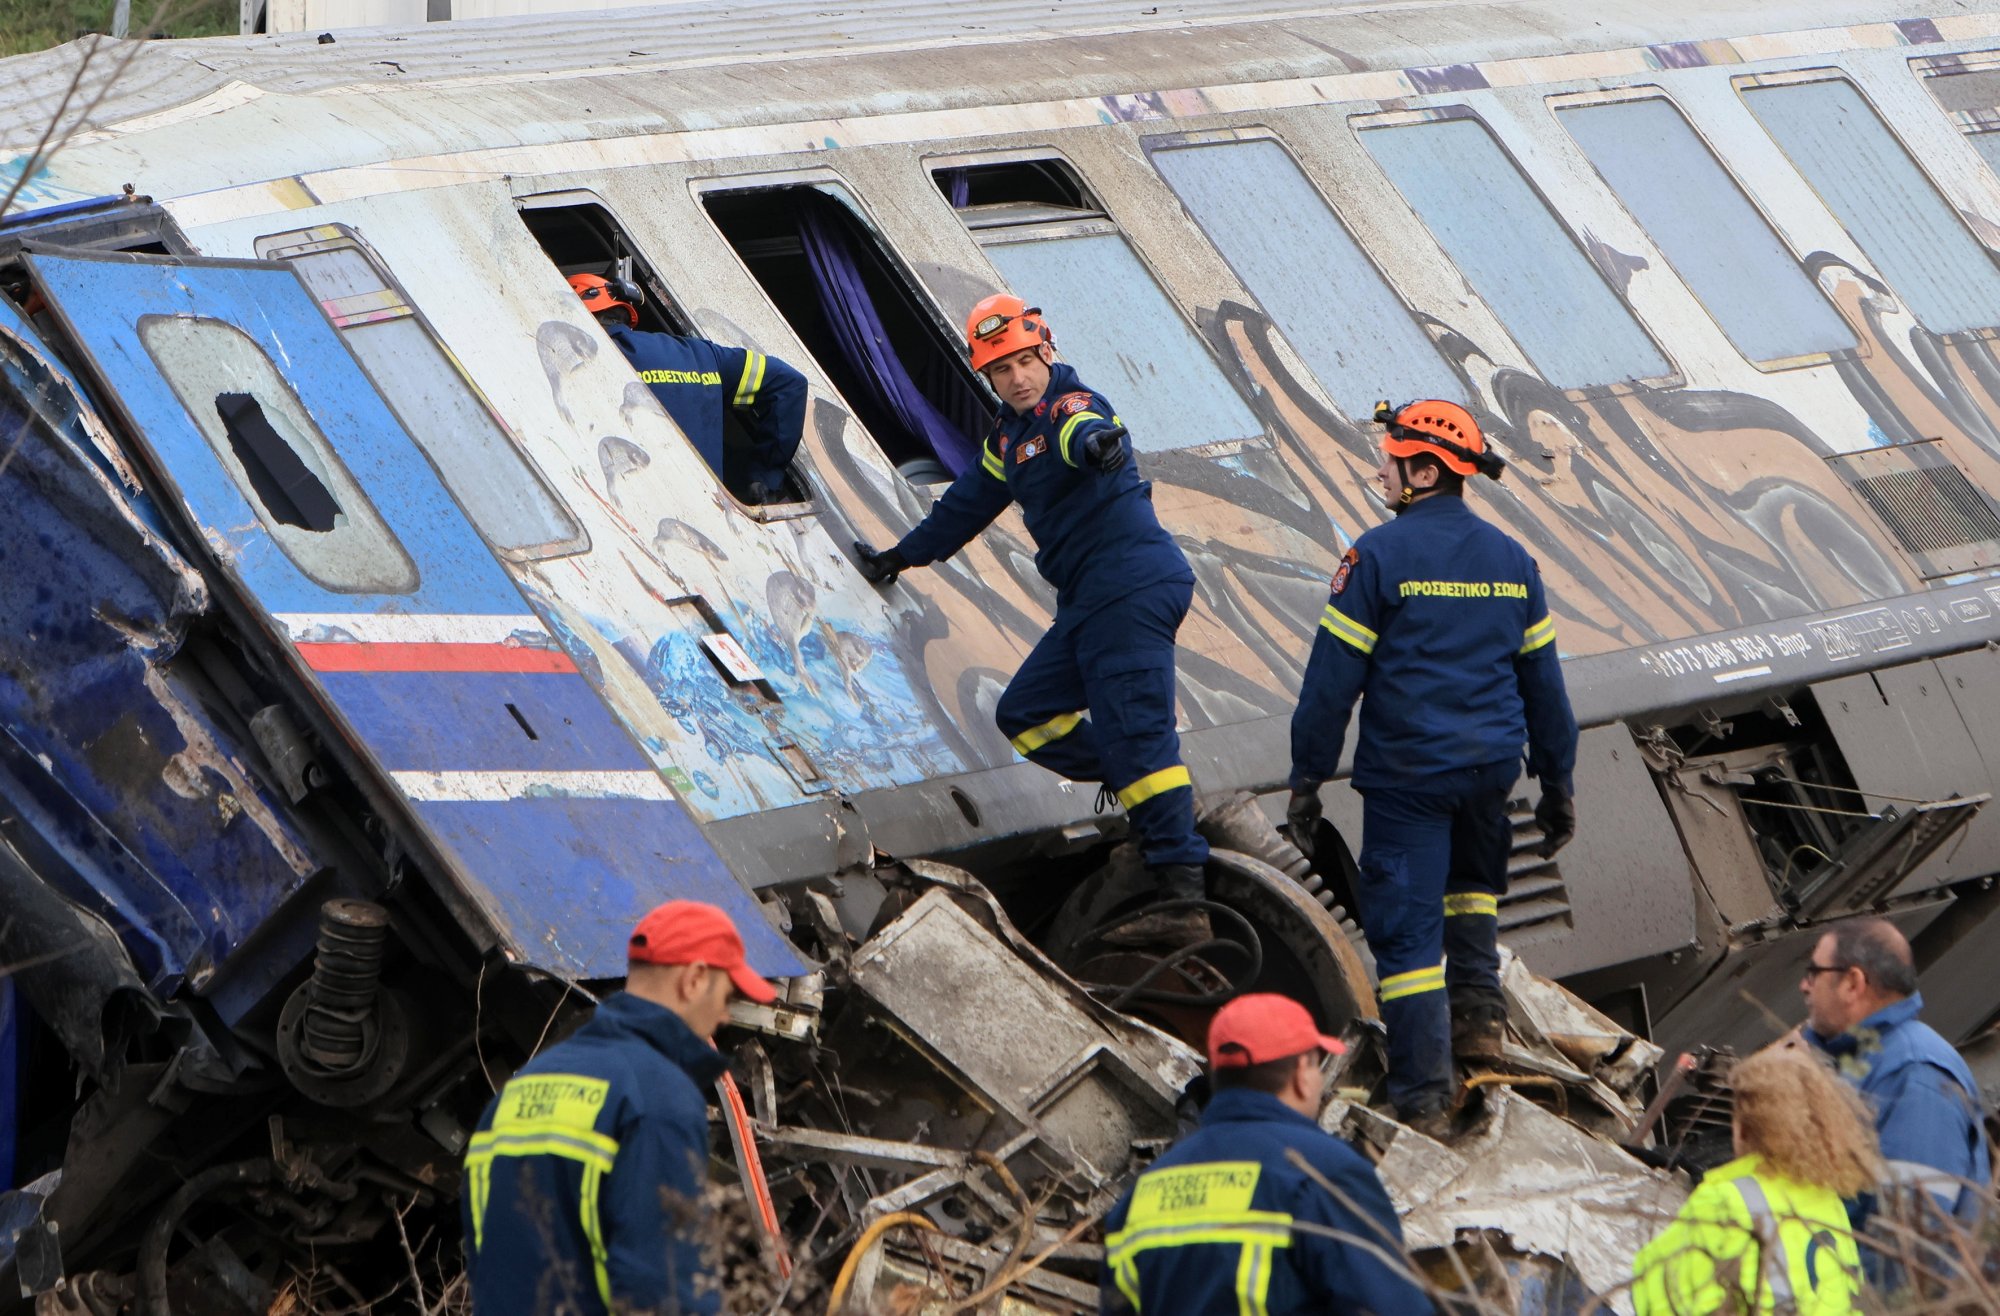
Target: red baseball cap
(689, 932)
(1264, 1026)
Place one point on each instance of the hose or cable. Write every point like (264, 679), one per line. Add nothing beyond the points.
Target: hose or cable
(1015, 1274)
(160, 1234)
(837, 1299)
(753, 1172)
(1251, 948)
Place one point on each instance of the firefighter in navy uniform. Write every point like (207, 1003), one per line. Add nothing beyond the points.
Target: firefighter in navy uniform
(1226, 1223)
(583, 1182)
(698, 381)
(1094, 701)
(1439, 620)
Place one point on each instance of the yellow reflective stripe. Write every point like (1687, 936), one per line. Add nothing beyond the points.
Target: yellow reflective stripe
(585, 1136)
(1052, 730)
(1414, 983)
(1541, 633)
(990, 462)
(1472, 902)
(753, 378)
(1343, 627)
(569, 1145)
(1069, 428)
(593, 1233)
(1155, 783)
(1126, 1273)
(478, 1172)
(1253, 1280)
(1259, 1229)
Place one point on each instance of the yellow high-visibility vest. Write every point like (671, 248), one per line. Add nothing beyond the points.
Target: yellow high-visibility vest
(1749, 1240)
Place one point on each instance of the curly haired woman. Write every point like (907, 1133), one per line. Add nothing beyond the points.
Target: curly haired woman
(1767, 1231)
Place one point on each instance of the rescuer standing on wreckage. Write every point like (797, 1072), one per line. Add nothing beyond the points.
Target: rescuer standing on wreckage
(583, 1184)
(1228, 1221)
(1094, 701)
(1438, 619)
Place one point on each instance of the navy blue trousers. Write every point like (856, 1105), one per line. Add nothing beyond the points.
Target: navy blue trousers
(1094, 701)
(1433, 867)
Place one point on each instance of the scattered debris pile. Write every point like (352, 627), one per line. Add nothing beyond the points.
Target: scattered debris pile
(951, 1115)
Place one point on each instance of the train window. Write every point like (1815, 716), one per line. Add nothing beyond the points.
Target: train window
(502, 492)
(1884, 201)
(284, 467)
(583, 237)
(1112, 320)
(1515, 253)
(1300, 262)
(864, 322)
(1715, 239)
(1971, 96)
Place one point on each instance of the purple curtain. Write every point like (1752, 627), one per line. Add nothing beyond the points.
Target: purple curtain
(850, 312)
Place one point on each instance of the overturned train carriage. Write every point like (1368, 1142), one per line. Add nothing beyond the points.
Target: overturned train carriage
(376, 648)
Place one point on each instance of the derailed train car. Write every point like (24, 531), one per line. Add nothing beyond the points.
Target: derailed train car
(376, 647)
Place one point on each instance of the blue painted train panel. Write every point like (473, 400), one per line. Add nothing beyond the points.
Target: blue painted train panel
(396, 608)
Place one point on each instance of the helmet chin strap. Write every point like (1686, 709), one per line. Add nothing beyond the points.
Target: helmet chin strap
(1403, 478)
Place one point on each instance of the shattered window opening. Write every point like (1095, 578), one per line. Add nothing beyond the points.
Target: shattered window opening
(908, 385)
(1305, 269)
(480, 461)
(1112, 319)
(1517, 256)
(1888, 205)
(287, 487)
(580, 235)
(284, 467)
(1720, 245)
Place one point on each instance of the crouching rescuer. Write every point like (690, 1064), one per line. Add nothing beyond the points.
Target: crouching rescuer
(1094, 701)
(1439, 620)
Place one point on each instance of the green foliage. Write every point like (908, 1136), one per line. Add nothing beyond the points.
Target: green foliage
(27, 25)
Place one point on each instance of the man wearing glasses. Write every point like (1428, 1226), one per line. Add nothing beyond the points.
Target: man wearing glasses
(1861, 1011)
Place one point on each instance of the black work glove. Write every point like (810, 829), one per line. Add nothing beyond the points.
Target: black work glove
(1302, 816)
(879, 568)
(1555, 814)
(1104, 448)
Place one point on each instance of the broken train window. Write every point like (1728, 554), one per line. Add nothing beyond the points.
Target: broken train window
(859, 313)
(282, 464)
(1057, 249)
(479, 460)
(581, 236)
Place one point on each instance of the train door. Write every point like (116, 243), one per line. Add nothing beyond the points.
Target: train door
(332, 535)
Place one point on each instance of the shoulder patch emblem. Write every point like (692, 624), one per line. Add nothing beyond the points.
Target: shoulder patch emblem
(1006, 442)
(1347, 561)
(1071, 403)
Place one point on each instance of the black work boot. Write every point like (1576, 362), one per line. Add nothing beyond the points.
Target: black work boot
(1168, 929)
(1433, 1121)
(1479, 1035)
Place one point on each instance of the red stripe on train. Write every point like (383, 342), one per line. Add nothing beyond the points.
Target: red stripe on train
(432, 657)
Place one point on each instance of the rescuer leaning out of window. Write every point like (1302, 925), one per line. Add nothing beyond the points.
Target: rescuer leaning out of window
(698, 382)
(1767, 1232)
(1094, 701)
(1438, 618)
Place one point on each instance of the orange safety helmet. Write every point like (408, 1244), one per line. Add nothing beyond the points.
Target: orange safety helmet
(1443, 430)
(1002, 325)
(600, 294)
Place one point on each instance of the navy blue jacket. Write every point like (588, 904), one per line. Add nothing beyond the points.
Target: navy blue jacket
(1438, 619)
(1176, 1244)
(1096, 537)
(581, 1183)
(1926, 1103)
(696, 380)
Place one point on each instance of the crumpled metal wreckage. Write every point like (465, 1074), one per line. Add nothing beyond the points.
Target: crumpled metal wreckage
(975, 1092)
